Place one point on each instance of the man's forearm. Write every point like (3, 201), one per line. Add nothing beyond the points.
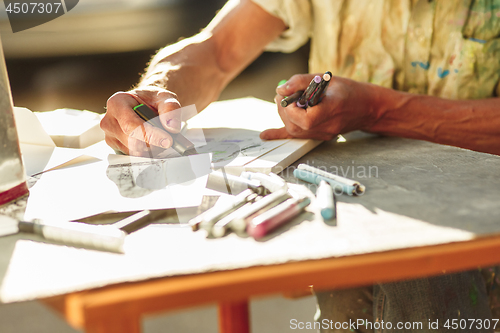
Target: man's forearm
(189, 69)
(198, 68)
(472, 124)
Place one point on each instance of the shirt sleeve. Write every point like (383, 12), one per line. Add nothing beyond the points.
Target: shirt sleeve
(297, 16)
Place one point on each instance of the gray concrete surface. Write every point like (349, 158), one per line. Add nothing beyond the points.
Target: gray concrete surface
(268, 315)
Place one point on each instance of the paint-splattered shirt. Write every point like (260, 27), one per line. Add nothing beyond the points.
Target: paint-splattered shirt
(443, 48)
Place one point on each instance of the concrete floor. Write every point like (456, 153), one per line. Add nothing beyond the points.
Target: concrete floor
(86, 83)
(270, 315)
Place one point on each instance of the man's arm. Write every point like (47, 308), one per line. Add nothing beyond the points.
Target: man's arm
(471, 124)
(349, 105)
(192, 71)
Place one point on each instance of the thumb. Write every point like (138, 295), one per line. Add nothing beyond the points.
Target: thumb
(275, 134)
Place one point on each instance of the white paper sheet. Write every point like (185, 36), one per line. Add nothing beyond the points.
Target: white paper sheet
(38, 151)
(37, 158)
(232, 130)
(29, 128)
(122, 184)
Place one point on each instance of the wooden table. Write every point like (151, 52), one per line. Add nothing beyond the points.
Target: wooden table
(450, 193)
(119, 308)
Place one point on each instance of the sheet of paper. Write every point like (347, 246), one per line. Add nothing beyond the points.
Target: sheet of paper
(231, 130)
(38, 151)
(72, 128)
(37, 158)
(29, 128)
(121, 184)
(248, 113)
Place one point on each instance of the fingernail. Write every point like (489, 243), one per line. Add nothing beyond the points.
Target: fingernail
(281, 83)
(174, 124)
(165, 143)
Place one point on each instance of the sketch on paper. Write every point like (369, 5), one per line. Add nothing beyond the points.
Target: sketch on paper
(228, 146)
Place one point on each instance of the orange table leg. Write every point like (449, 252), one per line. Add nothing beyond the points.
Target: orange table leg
(116, 322)
(234, 317)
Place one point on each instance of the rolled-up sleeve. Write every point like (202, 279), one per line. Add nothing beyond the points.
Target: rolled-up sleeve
(297, 16)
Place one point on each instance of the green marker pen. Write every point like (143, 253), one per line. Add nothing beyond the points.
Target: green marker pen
(180, 143)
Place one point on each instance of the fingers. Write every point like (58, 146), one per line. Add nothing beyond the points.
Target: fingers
(296, 82)
(275, 134)
(131, 146)
(291, 128)
(298, 124)
(308, 118)
(121, 122)
(315, 116)
(169, 108)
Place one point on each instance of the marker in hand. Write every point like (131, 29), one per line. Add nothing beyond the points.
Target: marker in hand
(312, 95)
(313, 85)
(180, 143)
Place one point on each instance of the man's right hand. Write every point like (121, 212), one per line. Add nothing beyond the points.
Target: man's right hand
(127, 132)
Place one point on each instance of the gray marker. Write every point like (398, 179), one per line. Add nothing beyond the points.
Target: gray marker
(220, 228)
(272, 182)
(218, 212)
(357, 188)
(239, 223)
(98, 237)
(224, 182)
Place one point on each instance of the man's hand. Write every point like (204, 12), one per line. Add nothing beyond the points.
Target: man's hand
(346, 106)
(127, 132)
(349, 105)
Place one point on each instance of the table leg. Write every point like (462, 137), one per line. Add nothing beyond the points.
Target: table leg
(115, 323)
(234, 317)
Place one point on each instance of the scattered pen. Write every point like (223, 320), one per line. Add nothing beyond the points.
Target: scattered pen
(263, 224)
(326, 201)
(314, 178)
(221, 227)
(271, 182)
(358, 188)
(224, 182)
(98, 237)
(239, 223)
(218, 212)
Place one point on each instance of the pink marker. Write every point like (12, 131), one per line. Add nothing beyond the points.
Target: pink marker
(277, 216)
